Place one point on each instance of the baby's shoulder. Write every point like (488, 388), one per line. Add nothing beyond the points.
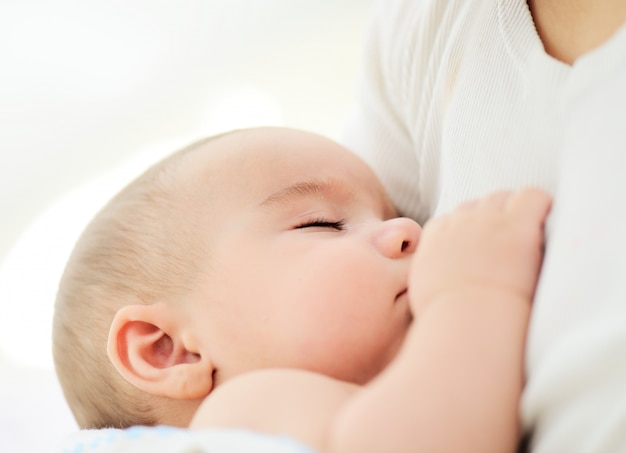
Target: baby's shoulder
(296, 403)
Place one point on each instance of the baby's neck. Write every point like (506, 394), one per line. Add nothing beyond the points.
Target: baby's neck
(571, 28)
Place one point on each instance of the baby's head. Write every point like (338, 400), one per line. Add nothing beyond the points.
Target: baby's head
(260, 248)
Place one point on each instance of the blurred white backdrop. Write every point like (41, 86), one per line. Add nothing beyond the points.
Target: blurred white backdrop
(91, 93)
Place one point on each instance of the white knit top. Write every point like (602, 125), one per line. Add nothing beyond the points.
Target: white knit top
(458, 98)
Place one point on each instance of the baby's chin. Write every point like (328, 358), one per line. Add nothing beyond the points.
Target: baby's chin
(376, 365)
(392, 351)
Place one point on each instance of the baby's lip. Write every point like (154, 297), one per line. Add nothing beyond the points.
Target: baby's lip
(401, 293)
(403, 304)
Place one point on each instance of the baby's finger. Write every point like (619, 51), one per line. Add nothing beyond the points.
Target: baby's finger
(532, 202)
(497, 200)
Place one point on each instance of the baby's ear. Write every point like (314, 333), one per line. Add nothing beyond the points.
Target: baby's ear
(155, 354)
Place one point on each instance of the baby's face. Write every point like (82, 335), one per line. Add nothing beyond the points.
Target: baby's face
(308, 265)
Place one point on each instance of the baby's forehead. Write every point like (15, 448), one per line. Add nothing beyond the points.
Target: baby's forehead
(268, 158)
(249, 152)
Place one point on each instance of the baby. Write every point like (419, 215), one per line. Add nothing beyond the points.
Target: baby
(260, 279)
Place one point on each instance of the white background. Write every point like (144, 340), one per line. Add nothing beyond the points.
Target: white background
(91, 92)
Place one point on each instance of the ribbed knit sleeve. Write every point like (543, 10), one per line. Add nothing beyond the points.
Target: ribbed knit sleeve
(378, 130)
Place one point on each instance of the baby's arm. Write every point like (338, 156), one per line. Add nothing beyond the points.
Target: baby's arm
(284, 402)
(455, 385)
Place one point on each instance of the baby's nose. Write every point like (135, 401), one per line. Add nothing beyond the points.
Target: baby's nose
(398, 237)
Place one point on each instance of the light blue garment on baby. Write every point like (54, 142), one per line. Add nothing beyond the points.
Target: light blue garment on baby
(165, 439)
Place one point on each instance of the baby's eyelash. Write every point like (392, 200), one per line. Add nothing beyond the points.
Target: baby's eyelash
(322, 223)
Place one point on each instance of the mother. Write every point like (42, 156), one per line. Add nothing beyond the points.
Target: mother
(462, 97)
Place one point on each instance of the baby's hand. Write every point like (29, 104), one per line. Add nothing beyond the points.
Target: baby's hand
(495, 243)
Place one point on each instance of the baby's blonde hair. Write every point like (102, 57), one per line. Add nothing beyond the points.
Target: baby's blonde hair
(140, 248)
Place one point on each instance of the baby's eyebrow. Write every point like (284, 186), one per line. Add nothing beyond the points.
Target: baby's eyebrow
(311, 188)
